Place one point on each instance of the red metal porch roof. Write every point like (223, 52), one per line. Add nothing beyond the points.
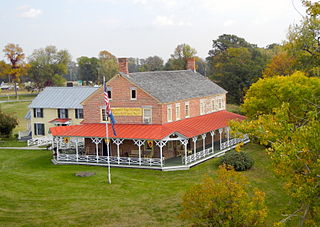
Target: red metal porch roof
(189, 127)
(60, 120)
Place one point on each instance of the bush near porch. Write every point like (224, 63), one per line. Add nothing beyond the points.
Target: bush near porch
(36, 192)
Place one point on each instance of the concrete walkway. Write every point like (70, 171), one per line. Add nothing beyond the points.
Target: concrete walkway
(22, 148)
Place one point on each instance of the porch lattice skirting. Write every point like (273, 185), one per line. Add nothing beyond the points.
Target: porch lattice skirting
(150, 163)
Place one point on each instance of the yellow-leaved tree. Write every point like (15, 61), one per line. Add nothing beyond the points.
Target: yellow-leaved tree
(224, 201)
(18, 67)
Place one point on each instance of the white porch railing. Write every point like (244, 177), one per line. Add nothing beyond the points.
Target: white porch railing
(114, 160)
(23, 134)
(40, 141)
(233, 142)
(207, 152)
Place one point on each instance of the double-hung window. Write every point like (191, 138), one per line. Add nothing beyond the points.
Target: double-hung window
(63, 113)
(169, 113)
(79, 113)
(104, 116)
(177, 111)
(39, 129)
(37, 112)
(202, 107)
(187, 109)
(147, 115)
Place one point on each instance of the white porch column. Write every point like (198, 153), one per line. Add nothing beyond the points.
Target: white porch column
(220, 131)
(161, 144)
(118, 142)
(194, 139)
(185, 144)
(212, 140)
(57, 140)
(228, 135)
(96, 141)
(204, 141)
(139, 143)
(77, 150)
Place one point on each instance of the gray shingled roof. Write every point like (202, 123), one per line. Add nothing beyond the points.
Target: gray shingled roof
(171, 86)
(62, 97)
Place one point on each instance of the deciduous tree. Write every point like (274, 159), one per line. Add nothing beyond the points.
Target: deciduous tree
(18, 67)
(178, 59)
(48, 65)
(108, 66)
(287, 122)
(88, 68)
(224, 201)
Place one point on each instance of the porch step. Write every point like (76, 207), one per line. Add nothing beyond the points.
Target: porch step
(175, 168)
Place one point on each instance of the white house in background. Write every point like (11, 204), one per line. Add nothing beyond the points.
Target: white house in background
(56, 106)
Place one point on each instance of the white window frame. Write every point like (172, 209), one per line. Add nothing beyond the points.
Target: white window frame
(220, 104)
(77, 113)
(169, 116)
(202, 107)
(187, 114)
(213, 105)
(178, 111)
(38, 112)
(144, 117)
(36, 129)
(133, 89)
(103, 116)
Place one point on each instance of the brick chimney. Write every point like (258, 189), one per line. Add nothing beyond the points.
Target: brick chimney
(191, 64)
(123, 65)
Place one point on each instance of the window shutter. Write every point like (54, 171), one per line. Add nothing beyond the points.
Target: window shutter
(34, 112)
(67, 116)
(35, 129)
(41, 112)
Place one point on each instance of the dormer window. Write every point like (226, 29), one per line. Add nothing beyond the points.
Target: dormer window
(133, 93)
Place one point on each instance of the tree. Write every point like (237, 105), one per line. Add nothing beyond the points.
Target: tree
(235, 64)
(48, 65)
(280, 64)
(133, 65)
(227, 41)
(304, 40)
(178, 59)
(7, 124)
(88, 68)
(283, 115)
(154, 63)
(108, 66)
(224, 201)
(18, 67)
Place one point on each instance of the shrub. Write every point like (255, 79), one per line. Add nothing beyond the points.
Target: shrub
(7, 124)
(226, 200)
(239, 160)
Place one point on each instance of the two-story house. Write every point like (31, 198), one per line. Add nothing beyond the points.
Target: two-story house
(57, 106)
(164, 119)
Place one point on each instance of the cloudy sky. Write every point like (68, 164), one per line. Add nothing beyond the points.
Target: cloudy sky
(140, 28)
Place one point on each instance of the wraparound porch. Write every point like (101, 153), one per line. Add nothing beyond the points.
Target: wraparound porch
(186, 152)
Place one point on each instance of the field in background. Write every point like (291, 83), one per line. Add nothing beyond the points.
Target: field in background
(36, 192)
(18, 109)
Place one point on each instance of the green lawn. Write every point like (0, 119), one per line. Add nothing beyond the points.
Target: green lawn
(18, 109)
(36, 192)
(233, 108)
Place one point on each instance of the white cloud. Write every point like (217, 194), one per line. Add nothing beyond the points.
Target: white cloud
(28, 12)
(165, 21)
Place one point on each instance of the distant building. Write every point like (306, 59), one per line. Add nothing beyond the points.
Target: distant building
(165, 120)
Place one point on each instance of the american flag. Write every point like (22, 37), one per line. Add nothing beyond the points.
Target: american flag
(108, 108)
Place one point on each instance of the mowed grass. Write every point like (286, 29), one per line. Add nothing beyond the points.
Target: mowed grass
(18, 109)
(36, 192)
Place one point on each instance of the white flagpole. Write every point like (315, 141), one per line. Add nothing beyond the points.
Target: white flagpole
(107, 137)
